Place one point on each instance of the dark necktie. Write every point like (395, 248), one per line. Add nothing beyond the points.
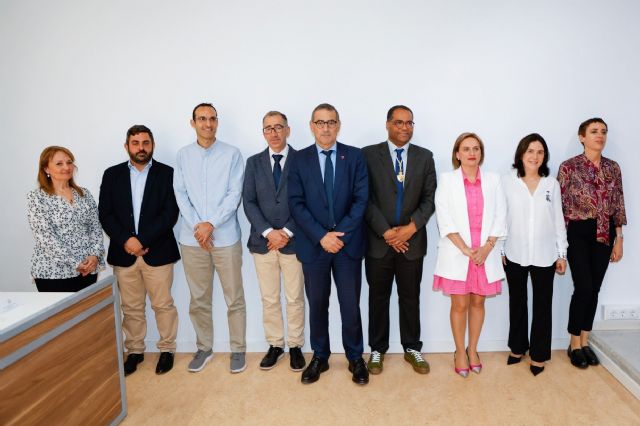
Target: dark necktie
(277, 169)
(399, 184)
(328, 186)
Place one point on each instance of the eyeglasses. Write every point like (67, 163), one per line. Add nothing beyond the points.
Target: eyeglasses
(399, 124)
(278, 128)
(321, 123)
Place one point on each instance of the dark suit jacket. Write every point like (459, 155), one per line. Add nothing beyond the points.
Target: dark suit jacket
(265, 205)
(417, 204)
(308, 201)
(158, 215)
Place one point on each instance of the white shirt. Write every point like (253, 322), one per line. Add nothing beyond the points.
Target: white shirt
(403, 155)
(536, 231)
(284, 153)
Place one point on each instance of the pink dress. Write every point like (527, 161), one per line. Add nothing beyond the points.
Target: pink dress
(476, 281)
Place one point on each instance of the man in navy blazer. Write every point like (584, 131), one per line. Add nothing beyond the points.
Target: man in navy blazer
(328, 190)
(271, 242)
(138, 210)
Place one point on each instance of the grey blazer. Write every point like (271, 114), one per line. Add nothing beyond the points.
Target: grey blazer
(417, 205)
(265, 205)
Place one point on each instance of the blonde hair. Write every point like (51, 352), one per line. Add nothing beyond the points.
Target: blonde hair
(43, 178)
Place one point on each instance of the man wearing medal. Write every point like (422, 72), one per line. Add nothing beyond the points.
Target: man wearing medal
(402, 184)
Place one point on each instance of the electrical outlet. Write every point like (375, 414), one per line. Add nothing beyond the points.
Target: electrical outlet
(622, 312)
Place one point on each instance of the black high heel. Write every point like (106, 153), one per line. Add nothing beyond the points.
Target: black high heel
(535, 370)
(514, 359)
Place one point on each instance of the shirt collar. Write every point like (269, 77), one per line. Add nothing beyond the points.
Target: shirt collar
(146, 167)
(333, 148)
(284, 152)
(393, 147)
(478, 177)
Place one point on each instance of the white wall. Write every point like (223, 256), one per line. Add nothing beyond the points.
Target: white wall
(79, 73)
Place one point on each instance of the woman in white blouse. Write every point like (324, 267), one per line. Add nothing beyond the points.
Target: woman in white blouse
(536, 245)
(63, 217)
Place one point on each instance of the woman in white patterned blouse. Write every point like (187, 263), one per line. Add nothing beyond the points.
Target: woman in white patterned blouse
(69, 247)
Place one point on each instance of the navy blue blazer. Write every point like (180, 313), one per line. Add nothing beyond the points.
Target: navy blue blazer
(158, 215)
(308, 201)
(265, 205)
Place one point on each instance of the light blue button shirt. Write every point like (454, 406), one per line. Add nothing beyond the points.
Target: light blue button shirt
(322, 158)
(403, 155)
(138, 180)
(208, 187)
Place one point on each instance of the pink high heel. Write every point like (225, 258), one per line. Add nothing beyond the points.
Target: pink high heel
(462, 372)
(475, 368)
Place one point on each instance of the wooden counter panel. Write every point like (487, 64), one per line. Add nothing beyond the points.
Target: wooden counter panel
(27, 336)
(41, 388)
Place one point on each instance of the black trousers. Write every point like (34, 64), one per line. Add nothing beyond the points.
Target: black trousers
(65, 284)
(542, 287)
(588, 260)
(380, 274)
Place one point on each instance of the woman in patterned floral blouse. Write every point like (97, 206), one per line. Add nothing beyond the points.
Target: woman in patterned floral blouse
(593, 206)
(63, 217)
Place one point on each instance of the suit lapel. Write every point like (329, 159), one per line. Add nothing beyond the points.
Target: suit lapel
(314, 170)
(285, 169)
(410, 168)
(148, 188)
(265, 164)
(387, 162)
(341, 165)
(124, 185)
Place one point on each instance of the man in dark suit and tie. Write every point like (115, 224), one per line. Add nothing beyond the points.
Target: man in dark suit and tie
(402, 185)
(138, 210)
(272, 241)
(328, 190)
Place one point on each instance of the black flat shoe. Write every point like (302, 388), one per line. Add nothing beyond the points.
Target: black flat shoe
(535, 370)
(131, 364)
(591, 357)
(274, 354)
(577, 358)
(514, 359)
(360, 371)
(313, 371)
(165, 363)
(296, 359)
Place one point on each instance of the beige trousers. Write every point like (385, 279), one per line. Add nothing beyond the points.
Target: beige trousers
(268, 268)
(199, 267)
(134, 282)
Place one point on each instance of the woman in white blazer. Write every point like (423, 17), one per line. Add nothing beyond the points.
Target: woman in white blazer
(471, 215)
(536, 246)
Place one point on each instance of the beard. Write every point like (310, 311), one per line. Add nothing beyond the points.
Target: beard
(142, 157)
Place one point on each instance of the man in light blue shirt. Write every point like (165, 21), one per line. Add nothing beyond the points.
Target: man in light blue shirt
(208, 187)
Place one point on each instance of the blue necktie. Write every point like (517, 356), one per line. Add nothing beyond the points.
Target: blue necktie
(277, 169)
(399, 184)
(328, 186)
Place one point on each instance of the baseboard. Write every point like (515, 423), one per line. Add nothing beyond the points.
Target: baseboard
(617, 325)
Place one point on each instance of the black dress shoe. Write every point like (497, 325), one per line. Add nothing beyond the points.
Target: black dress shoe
(131, 364)
(296, 359)
(316, 366)
(274, 354)
(165, 363)
(577, 358)
(535, 370)
(514, 359)
(591, 357)
(360, 371)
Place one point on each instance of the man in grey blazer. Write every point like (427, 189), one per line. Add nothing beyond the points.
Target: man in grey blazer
(272, 242)
(402, 184)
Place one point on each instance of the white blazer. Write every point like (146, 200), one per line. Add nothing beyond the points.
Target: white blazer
(452, 217)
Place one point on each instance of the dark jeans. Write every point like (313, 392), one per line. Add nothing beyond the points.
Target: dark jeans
(62, 285)
(380, 274)
(588, 260)
(542, 288)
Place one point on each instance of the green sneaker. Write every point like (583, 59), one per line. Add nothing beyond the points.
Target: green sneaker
(419, 364)
(375, 362)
